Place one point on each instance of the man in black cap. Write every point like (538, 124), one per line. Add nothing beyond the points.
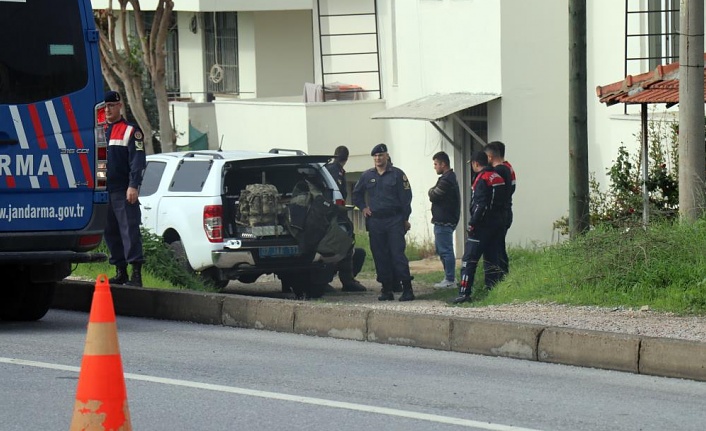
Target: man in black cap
(349, 266)
(486, 225)
(126, 165)
(384, 196)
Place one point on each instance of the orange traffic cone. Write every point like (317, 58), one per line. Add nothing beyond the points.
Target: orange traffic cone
(101, 397)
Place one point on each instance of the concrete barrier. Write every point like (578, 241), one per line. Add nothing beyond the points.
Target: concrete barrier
(673, 358)
(495, 338)
(408, 329)
(258, 313)
(589, 349)
(350, 323)
(632, 353)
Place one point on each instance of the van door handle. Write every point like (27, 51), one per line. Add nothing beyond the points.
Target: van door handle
(9, 141)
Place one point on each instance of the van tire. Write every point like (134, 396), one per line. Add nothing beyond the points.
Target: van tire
(24, 301)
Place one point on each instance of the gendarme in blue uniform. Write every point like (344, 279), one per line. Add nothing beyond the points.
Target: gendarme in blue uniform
(126, 165)
(389, 198)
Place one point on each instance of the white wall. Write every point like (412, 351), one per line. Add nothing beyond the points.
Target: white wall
(316, 128)
(284, 55)
(535, 101)
(284, 127)
(217, 5)
(332, 124)
(439, 47)
(202, 117)
(191, 67)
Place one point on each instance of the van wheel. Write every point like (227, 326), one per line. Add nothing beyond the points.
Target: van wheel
(26, 301)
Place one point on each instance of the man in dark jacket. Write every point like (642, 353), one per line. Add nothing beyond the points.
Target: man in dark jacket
(486, 225)
(126, 165)
(445, 212)
(496, 158)
(384, 196)
(348, 267)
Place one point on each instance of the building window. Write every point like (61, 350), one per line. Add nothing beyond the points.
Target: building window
(172, 49)
(221, 52)
(651, 34)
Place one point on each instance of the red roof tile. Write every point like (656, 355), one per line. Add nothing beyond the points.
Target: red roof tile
(658, 86)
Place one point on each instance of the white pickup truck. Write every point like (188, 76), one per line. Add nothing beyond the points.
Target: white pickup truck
(193, 201)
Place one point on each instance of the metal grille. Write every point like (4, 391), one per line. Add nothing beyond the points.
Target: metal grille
(661, 38)
(348, 41)
(221, 52)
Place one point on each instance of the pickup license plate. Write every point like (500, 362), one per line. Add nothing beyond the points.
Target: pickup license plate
(284, 251)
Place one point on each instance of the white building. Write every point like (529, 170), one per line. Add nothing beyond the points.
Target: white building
(497, 69)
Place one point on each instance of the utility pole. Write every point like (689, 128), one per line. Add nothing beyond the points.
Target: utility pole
(692, 155)
(579, 217)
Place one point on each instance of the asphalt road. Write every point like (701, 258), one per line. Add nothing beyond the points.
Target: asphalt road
(183, 376)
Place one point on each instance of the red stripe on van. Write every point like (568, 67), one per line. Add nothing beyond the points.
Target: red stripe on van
(38, 131)
(77, 139)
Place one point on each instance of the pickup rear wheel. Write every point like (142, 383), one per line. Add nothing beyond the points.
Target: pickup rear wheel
(177, 247)
(25, 301)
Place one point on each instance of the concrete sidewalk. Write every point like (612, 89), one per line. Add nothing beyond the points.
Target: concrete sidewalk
(631, 353)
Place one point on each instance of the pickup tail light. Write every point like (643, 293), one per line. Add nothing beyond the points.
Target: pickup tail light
(341, 202)
(213, 222)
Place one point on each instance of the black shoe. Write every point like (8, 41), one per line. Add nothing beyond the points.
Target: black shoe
(386, 296)
(329, 289)
(407, 295)
(121, 276)
(460, 299)
(136, 278)
(353, 286)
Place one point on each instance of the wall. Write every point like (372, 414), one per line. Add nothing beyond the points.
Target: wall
(434, 47)
(191, 67)
(284, 56)
(202, 117)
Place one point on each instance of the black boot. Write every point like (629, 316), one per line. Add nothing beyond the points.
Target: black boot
(348, 283)
(136, 278)
(120, 275)
(386, 293)
(407, 293)
(464, 295)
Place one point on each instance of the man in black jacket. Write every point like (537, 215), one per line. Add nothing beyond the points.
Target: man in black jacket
(349, 267)
(445, 212)
(496, 158)
(486, 225)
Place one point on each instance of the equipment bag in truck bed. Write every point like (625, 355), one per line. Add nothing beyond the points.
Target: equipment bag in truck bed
(314, 221)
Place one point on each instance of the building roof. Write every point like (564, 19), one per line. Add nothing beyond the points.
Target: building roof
(658, 86)
(435, 106)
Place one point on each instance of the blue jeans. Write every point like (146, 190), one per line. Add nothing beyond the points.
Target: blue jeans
(444, 243)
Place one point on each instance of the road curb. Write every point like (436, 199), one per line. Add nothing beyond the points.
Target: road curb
(621, 352)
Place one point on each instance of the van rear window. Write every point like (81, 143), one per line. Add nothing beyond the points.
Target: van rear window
(42, 50)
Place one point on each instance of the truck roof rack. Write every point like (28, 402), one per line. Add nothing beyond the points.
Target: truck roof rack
(202, 153)
(287, 150)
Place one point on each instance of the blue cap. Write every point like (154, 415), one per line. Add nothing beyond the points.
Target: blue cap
(379, 148)
(112, 96)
